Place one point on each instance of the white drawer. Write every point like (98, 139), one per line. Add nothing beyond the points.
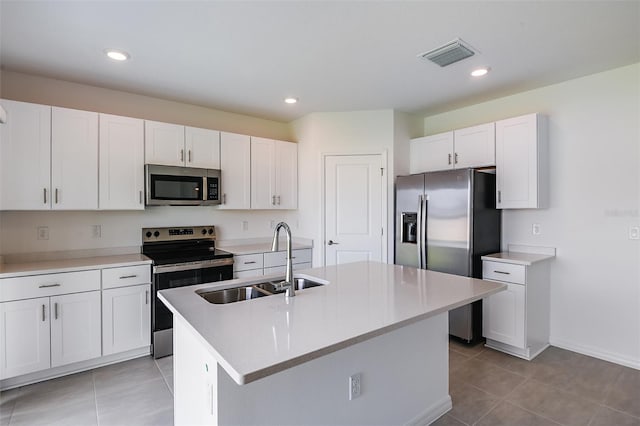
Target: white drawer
(279, 258)
(507, 272)
(48, 285)
(126, 276)
(248, 274)
(247, 261)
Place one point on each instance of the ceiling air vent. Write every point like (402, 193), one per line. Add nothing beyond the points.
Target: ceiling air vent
(451, 52)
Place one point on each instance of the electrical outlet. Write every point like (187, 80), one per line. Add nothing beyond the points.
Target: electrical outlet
(43, 232)
(634, 232)
(245, 225)
(96, 231)
(355, 386)
(536, 229)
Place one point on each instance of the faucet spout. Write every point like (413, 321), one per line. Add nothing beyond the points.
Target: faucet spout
(288, 279)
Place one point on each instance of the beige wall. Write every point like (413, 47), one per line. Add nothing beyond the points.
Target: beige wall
(36, 89)
(594, 171)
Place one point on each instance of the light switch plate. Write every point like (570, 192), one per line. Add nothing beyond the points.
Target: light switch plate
(634, 232)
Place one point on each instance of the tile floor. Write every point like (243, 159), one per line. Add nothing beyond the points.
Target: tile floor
(558, 387)
(487, 387)
(136, 392)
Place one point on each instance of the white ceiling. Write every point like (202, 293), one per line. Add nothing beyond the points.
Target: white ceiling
(245, 57)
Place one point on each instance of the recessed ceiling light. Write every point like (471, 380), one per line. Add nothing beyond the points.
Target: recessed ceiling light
(479, 72)
(117, 55)
(291, 100)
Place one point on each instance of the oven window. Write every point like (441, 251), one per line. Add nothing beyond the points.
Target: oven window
(166, 187)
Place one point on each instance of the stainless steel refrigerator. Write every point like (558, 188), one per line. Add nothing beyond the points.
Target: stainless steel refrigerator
(445, 221)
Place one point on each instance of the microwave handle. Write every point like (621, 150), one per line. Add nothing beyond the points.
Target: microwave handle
(205, 189)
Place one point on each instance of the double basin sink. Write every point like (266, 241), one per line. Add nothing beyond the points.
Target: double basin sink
(253, 291)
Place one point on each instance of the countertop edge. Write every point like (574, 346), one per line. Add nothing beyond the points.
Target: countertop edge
(517, 258)
(15, 270)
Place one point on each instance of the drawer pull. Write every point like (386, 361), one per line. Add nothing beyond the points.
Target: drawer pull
(249, 263)
(502, 272)
(49, 285)
(124, 277)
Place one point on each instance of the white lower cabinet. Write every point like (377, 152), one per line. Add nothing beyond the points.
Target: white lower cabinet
(75, 327)
(516, 320)
(59, 319)
(24, 337)
(258, 264)
(126, 318)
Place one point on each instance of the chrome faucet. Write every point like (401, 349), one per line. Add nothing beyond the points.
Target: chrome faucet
(288, 278)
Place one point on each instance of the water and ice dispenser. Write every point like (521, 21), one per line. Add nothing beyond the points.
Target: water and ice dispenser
(409, 227)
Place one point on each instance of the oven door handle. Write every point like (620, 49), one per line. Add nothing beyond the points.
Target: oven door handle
(163, 269)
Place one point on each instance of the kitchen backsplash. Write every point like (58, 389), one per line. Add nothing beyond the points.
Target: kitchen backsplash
(26, 231)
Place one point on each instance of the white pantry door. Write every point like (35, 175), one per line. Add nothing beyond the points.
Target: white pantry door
(353, 208)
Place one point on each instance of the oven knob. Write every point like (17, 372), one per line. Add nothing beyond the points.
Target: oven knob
(210, 231)
(156, 234)
(204, 231)
(148, 234)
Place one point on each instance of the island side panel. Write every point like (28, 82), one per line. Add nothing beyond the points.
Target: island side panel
(404, 381)
(194, 378)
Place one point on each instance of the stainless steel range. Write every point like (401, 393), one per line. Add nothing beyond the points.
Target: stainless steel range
(182, 256)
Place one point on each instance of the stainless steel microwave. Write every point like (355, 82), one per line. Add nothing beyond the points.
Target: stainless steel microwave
(181, 186)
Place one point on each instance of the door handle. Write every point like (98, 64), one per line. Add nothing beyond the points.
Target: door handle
(146, 297)
(331, 243)
(140, 197)
(449, 158)
(224, 198)
(273, 200)
(455, 158)
(182, 155)
(278, 200)
(56, 195)
(189, 155)
(45, 195)
(55, 306)
(43, 313)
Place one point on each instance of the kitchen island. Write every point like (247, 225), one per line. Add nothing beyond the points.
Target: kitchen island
(274, 360)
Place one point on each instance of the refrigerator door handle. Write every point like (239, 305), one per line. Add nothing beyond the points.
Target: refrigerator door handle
(419, 231)
(424, 205)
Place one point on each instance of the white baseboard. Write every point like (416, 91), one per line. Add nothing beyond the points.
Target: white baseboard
(596, 353)
(432, 413)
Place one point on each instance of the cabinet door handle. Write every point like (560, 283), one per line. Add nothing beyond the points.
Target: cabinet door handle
(189, 152)
(124, 277)
(331, 243)
(499, 197)
(140, 197)
(43, 319)
(49, 285)
(449, 155)
(55, 310)
(182, 155)
(502, 272)
(249, 263)
(455, 158)
(45, 195)
(56, 195)
(273, 200)
(146, 297)
(224, 198)
(278, 200)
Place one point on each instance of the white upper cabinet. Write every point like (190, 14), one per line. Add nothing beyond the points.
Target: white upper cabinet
(202, 148)
(25, 157)
(274, 174)
(235, 166)
(121, 163)
(74, 159)
(475, 146)
(176, 145)
(431, 153)
(458, 149)
(521, 168)
(163, 143)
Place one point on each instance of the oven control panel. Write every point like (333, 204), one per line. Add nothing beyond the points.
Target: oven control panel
(178, 233)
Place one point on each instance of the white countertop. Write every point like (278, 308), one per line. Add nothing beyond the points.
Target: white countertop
(9, 270)
(260, 337)
(517, 258)
(239, 250)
